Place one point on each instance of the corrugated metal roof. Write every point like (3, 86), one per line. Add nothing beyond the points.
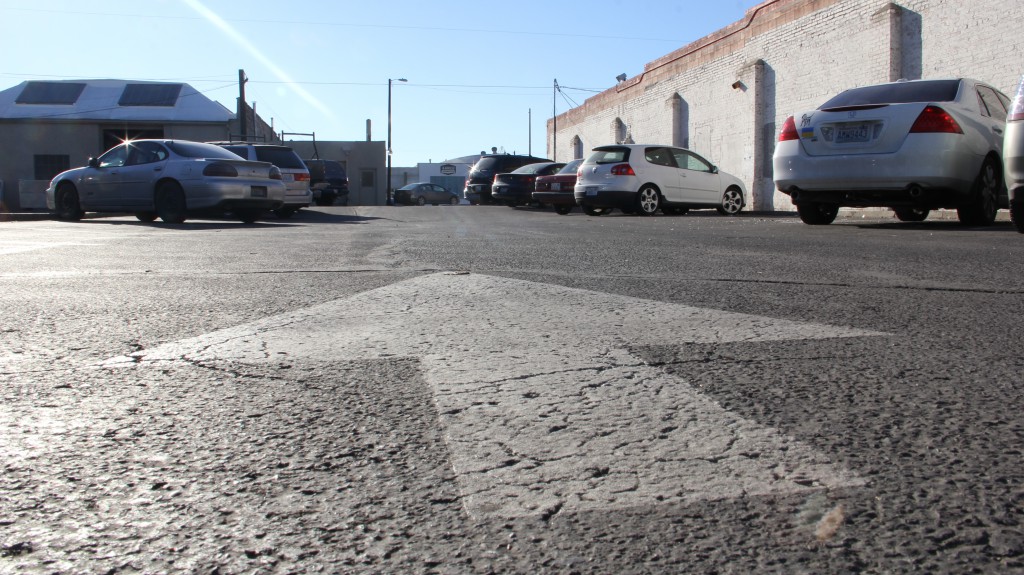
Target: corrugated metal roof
(100, 100)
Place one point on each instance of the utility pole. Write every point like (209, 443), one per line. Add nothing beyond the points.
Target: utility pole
(242, 121)
(554, 123)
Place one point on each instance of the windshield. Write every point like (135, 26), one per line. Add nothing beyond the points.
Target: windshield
(897, 93)
(200, 150)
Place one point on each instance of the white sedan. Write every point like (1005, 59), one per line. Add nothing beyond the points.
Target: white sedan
(168, 179)
(911, 146)
(643, 178)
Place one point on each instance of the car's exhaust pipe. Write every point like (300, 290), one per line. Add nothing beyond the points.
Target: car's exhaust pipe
(916, 192)
(794, 195)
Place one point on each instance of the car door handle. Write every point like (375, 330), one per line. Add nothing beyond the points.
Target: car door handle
(158, 169)
(998, 130)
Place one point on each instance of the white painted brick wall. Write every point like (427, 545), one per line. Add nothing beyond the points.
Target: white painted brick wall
(806, 61)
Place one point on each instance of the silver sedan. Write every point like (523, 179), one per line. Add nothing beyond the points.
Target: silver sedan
(168, 179)
(910, 146)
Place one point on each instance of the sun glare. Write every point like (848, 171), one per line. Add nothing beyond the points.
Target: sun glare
(255, 52)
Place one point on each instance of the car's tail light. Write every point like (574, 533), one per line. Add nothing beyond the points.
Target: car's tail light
(789, 130)
(302, 177)
(623, 170)
(935, 119)
(275, 173)
(218, 170)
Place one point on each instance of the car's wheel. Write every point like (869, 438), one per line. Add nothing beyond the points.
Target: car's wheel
(68, 206)
(647, 201)
(170, 203)
(145, 216)
(563, 209)
(732, 202)
(815, 214)
(286, 212)
(911, 214)
(1017, 215)
(981, 211)
(454, 201)
(421, 201)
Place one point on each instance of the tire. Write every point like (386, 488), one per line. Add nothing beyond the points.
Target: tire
(145, 216)
(815, 214)
(732, 202)
(563, 210)
(421, 201)
(285, 212)
(170, 203)
(454, 201)
(911, 214)
(1017, 215)
(648, 201)
(981, 211)
(68, 207)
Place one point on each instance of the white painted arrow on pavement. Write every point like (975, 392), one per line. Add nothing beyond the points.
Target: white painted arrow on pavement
(543, 407)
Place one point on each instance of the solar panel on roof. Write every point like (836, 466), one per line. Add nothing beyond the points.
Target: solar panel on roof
(150, 95)
(54, 93)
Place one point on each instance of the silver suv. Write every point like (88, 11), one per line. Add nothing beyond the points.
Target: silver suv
(1013, 157)
(293, 171)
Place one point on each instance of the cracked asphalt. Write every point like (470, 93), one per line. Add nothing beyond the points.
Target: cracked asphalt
(317, 396)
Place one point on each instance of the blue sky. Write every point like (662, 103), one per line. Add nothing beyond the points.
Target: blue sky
(480, 74)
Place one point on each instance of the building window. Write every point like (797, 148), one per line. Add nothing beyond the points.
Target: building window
(49, 165)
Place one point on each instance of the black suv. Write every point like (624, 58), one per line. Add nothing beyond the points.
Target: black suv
(329, 182)
(481, 175)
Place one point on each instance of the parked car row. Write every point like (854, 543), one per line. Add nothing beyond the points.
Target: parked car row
(913, 146)
(634, 178)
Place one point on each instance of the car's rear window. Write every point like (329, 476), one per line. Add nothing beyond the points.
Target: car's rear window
(897, 93)
(530, 168)
(200, 150)
(334, 170)
(280, 157)
(609, 156)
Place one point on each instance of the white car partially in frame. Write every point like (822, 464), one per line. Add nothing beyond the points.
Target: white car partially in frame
(1013, 158)
(913, 146)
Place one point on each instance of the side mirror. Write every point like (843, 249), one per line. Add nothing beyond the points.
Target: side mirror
(94, 163)
(714, 169)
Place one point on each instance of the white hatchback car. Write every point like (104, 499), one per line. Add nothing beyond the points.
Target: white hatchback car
(641, 178)
(911, 146)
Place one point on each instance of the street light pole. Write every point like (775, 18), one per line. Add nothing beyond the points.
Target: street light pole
(390, 199)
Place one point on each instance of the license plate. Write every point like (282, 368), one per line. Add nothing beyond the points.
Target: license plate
(556, 187)
(286, 177)
(853, 133)
(258, 191)
(592, 191)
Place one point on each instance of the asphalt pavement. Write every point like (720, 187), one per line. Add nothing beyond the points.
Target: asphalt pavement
(461, 389)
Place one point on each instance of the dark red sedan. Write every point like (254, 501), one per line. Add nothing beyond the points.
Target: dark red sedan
(557, 189)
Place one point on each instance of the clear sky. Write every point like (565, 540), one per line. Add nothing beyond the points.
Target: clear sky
(480, 74)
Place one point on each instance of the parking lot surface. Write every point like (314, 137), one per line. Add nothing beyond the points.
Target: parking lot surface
(460, 389)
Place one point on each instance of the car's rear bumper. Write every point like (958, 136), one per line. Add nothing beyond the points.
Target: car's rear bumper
(555, 198)
(596, 197)
(940, 175)
(509, 195)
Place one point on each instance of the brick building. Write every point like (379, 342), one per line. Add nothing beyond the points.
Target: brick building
(727, 94)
